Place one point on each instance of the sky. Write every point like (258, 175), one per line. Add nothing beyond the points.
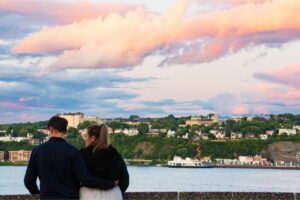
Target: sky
(149, 58)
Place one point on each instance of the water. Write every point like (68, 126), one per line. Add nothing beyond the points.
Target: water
(174, 179)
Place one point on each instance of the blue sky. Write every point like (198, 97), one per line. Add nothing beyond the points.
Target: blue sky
(148, 58)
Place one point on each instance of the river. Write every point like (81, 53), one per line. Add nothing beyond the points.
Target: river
(174, 179)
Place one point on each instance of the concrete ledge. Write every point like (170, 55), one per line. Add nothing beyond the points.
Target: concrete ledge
(188, 196)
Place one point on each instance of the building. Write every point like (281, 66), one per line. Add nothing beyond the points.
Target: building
(287, 131)
(171, 133)
(20, 155)
(220, 135)
(206, 159)
(73, 118)
(263, 136)
(131, 132)
(6, 138)
(250, 136)
(297, 127)
(252, 160)
(95, 119)
(1, 156)
(153, 132)
(226, 161)
(269, 133)
(206, 121)
(20, 139)
(245, 160)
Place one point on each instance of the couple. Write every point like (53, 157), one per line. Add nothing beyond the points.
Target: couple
(95, 172)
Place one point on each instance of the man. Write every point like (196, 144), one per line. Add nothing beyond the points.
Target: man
(60, 167)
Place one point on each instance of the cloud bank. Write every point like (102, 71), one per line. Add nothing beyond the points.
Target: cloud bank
(117, 40)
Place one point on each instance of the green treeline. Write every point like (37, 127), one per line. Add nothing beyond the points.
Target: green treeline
(165, 148)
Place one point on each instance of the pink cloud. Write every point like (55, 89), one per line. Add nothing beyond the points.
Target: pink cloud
(55, 10)
(240, 110)
(26, 117)
(124, 40)
(239, 2)
(11, 104)
(288, 76)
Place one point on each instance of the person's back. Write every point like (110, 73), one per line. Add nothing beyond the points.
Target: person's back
(60, 167)
(103, 161)
(106, 163)
(55, 160)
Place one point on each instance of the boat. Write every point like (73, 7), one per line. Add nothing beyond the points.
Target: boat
(178, 162)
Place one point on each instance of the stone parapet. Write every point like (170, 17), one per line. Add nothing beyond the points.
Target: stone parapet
(188, 196)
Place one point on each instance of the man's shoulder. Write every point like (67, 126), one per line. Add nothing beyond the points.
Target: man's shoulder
(51, 145)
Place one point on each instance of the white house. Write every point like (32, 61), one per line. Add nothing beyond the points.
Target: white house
(270, 132)
(296, 127)
(263, 136)
(287, 131)
(220, 135)
(171, 133)
(131, 131)
(6, 138)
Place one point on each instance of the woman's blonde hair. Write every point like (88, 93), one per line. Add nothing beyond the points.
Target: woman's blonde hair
(100, 132)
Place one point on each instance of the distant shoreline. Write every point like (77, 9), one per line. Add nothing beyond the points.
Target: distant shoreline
(15, 164)
(9, 163)
(258, 167)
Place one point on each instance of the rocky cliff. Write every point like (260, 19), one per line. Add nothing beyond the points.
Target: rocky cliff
(283, 151)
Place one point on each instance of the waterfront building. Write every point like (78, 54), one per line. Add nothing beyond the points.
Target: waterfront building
(73, 118)
(206, 159)
(226, 161)
(1, 156)
(287, 131)
(245, 160)
(20, 155)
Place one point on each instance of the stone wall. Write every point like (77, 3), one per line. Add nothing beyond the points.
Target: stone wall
(189, 196)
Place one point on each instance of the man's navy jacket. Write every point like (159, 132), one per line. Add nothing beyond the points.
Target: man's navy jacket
(61, 171)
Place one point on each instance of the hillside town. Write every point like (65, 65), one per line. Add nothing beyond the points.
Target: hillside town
(194, 128)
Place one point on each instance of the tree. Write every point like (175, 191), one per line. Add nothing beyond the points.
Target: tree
(211, 136)
(143, 128)
(133, 117)
(85, 124)
(72, 132)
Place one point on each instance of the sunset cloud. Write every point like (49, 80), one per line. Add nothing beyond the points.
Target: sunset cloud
(125, 40)
(53, 10)
(288, 76)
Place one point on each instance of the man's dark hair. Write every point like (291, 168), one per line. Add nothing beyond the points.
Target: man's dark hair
(58, 123)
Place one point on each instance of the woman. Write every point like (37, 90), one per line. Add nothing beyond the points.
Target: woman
(103, 161)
